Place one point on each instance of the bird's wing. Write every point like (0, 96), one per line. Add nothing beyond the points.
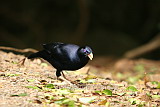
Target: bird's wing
(62, 52)
(56, 51)
(67, 53)
(51, 47)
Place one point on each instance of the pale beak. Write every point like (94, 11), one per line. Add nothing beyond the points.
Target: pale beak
(90, 56)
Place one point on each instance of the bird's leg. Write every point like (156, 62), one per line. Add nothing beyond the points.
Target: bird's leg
(21, 62)
(58, 74)
(59, 77)
(64, 75)
(88, 71)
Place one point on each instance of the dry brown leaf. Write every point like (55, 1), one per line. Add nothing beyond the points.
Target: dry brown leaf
(103, 102)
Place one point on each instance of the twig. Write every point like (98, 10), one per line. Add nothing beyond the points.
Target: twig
(18, 50)
(152, 45)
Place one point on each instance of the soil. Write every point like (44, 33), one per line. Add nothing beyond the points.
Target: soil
(103, 82)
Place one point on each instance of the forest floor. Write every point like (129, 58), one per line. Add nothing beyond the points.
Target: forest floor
(102, 83)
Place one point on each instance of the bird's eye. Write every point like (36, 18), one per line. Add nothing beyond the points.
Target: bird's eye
(86, 51)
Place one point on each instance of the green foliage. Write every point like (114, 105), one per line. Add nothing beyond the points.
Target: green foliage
(63, 91)
(158, 86)
(87, 100)
(140, 105)
(66, 102)
(19, 95)
(30, 80)
(131, 88)
(156, 96)
(11, 75)
(13, 62)
(51, 86)
(32, 87)
(44, 64)
(134, 101)
(107, 92)
(156, 83)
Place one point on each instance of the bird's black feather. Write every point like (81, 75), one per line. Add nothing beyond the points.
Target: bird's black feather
(64, 56)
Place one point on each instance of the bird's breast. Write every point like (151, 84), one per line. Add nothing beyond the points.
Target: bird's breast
(75, 64)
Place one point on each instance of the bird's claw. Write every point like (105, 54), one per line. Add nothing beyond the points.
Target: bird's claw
(21, 62)
(65, 80)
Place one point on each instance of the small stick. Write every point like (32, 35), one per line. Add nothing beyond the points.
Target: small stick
(19, 50)
(150, 46)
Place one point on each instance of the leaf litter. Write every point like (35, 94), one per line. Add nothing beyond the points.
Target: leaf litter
(34, 84)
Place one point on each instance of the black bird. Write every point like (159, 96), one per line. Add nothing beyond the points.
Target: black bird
(64, 56)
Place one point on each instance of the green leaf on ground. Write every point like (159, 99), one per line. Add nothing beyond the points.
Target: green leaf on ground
(107, 92)
(156, 96)
(33, 87)
(91, 80)
(19, 95)
(158, 85)
(51, 86)
(63, 91)
(134, 101)
(154, 83)
(30, 80)
(131, 88)
(11, 75)
(87, 100)
(66, 102)
(13, 62)
(44, 64)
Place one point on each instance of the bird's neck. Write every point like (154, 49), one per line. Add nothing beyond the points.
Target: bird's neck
(82, 57)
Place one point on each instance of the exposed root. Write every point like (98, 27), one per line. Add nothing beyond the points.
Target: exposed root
(18, 50)
(150, 46)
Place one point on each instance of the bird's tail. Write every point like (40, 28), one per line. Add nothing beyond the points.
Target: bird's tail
(34, 55)
(41, 54)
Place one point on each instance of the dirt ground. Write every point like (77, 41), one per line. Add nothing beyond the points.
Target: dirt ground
(102, 83)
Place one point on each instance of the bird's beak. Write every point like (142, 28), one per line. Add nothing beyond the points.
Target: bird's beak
(90, 56)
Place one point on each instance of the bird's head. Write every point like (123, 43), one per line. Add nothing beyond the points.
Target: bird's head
(87, 51)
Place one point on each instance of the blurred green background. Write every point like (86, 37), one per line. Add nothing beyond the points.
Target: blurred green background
(110, 27)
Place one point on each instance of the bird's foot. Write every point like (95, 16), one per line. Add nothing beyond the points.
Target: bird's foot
(21, 62)
(65, 80)
(64, 76)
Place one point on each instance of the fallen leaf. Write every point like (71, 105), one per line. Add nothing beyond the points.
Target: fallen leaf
(19, 95)
(87, 100)
(131, 88)
(65, 101)
(33, 87)
(107, 92)
(37, 101)
(30, 80)
(51, 86)
(103, 102)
